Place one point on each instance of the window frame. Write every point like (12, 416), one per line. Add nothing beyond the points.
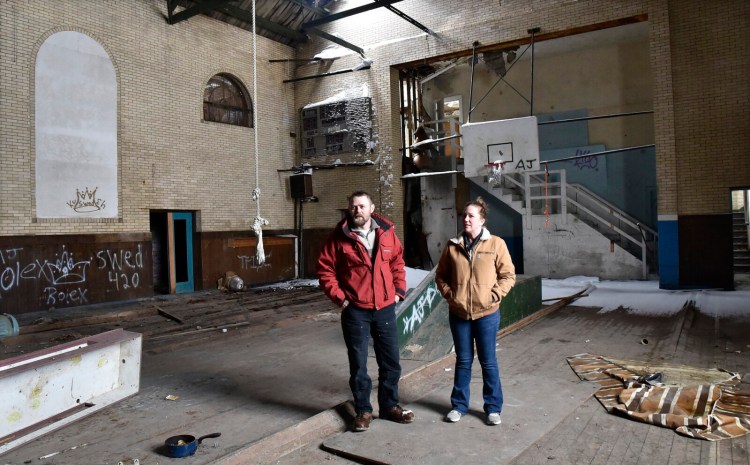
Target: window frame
(224, 109)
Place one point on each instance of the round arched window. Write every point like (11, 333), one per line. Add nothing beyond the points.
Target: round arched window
(225, 100)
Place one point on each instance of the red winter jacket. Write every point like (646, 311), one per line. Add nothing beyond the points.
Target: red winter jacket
(346, 271)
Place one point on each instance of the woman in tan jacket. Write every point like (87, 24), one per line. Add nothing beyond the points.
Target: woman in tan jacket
(474, 273)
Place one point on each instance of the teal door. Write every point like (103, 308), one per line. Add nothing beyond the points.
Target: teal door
(181, 253)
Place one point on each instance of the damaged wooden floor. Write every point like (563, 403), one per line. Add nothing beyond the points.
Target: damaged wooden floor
(586, 433)
(170, 322)
(281, 362)
(589, 435)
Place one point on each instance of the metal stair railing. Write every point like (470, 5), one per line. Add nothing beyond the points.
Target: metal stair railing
(534, 182)
(601, 214)
(647, 235)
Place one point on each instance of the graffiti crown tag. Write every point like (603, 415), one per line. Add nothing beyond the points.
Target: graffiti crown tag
(86, 201)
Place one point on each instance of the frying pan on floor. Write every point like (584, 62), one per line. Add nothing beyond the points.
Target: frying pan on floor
(185, 444)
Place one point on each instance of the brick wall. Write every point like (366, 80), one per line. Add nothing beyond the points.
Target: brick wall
(710, 61)
(168, 157)
(708, 82)
(171, 159)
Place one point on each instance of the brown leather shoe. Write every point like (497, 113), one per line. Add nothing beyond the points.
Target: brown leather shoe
(397, 414)
(362, 421)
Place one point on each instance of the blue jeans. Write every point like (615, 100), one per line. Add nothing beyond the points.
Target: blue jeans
(358, 326)
(484, 332)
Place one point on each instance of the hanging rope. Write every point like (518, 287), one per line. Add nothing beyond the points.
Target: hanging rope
(259, 221)
(546, 195)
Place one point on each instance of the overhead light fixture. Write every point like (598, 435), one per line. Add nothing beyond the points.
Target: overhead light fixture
(510, 56)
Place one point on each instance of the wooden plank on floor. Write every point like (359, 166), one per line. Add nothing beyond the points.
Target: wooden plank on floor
(693, 451)
(635, 445)
(553, 447)
(708, 453)
(657, 446)
(724, 452)
(677, 451)
(614, 445)
(744, 447)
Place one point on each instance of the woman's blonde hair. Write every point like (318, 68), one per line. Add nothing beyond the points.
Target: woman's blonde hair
(480, 204)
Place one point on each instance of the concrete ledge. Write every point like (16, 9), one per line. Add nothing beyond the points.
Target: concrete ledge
(286, 441)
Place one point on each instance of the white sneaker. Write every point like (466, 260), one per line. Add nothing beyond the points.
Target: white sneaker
(493, 419)
(453, 416)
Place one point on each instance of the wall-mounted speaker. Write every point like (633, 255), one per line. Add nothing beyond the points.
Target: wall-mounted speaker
(300, 186)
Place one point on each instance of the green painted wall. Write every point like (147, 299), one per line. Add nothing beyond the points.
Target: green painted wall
(523, 300)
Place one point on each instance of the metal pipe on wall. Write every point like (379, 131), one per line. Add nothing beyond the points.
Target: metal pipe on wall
(471, 84)
(532, 31)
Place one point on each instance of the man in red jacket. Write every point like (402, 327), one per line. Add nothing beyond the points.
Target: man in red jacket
(361, 269)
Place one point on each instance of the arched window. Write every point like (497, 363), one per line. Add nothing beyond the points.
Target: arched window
(225, 100)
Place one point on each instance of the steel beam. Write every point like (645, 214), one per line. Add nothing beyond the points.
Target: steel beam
(196, 9)
(263, 23)
(332, 73)
(50, 388)
(347, 13)
(337, 40)
(410, 19)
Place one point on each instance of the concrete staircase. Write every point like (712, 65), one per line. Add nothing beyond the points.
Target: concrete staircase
(531, 196)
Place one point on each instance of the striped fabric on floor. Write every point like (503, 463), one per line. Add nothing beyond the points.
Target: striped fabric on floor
(706, 411)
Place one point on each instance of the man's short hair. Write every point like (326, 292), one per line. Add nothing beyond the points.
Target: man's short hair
(359, 194)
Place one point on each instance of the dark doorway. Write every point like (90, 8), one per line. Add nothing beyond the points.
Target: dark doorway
(172, 246)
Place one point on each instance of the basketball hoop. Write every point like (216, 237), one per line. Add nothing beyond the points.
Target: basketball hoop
(495, 174)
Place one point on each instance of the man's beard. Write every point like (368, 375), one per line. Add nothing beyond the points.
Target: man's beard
(358, 221)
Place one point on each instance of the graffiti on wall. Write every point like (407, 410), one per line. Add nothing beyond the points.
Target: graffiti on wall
(413, 317)
(250, 262)
(86, 201)
(123, 267)
(590, 162)
(64, 278)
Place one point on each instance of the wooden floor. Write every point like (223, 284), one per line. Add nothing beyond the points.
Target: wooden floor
(587, 434)
(584, 433)
(594, 437)
(170, 322)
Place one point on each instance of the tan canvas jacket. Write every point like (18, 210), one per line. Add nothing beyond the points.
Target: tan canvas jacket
(474, 286)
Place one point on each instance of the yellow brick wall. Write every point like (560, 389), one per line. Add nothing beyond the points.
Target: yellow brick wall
(168, 157)
(710, 63)
(709, 81)
(389, 41)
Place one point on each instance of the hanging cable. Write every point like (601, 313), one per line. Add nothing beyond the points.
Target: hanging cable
(259, 221)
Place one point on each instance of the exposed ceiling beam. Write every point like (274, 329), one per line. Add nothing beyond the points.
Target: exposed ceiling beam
(261, 22)
(196, 9)
(347, 13)
(525, 41)
(171, 5)
(408, 18)
(337, 40)
(317, 10)
(437, 73)
(332, 73)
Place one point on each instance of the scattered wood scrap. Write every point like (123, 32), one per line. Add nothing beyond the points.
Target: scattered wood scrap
(55, 323)
(561, 302)
(166, 314)
(198, 317)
